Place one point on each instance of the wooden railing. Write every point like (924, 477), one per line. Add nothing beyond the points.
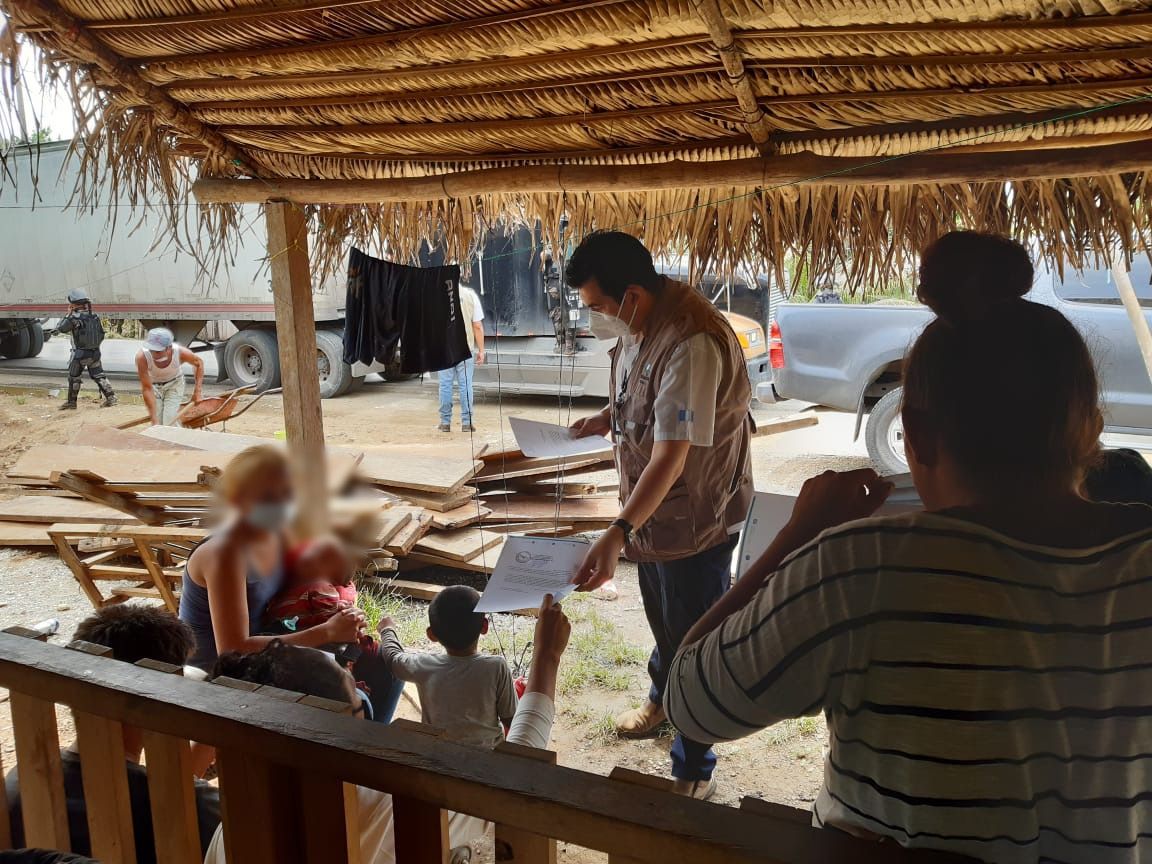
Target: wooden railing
(286, 762)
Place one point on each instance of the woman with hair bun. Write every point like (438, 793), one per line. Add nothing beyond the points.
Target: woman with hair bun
(984, 665)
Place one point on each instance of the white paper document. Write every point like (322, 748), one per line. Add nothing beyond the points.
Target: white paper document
(529, 568)
(770, 511)
(544, 440)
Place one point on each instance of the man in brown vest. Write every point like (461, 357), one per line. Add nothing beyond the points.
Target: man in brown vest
(679, 419)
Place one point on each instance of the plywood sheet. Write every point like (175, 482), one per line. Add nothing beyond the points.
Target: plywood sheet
(204, 439)
(24, 534)
(463, 544)
(48, 509)
(432, 501)
(431, 469)
(498, 470)
(111, 438)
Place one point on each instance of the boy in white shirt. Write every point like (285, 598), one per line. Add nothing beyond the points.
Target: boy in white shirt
(468, 695)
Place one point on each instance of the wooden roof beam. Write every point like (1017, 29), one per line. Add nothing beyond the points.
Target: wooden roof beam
(721, 34)
(82, 44)
(801, 169)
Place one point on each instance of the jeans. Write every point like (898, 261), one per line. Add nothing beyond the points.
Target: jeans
(676, 594)
(169, 397)
(461, 372)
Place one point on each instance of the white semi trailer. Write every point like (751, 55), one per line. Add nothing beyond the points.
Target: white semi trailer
(131, 272)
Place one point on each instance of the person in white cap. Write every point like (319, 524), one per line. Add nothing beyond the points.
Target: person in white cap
(160, 367)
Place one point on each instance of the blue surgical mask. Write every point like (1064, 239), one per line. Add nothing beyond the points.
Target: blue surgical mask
(271, 515)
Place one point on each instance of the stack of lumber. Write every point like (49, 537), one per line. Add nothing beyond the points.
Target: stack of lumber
(410, 507)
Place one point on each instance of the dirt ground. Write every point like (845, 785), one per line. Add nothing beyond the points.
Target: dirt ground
(782, 764)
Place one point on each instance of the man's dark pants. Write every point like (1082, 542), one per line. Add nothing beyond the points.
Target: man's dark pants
(676, 594)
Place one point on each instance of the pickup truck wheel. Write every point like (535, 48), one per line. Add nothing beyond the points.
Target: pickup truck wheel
(884, 434)
(335, 374)
(252, 357)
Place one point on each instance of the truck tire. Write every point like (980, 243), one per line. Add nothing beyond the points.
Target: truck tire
(884, 434)
(15, 344)
(251, 357)
(335, 374)
(35, 338)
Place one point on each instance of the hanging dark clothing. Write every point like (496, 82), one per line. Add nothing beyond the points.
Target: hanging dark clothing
(415, 308)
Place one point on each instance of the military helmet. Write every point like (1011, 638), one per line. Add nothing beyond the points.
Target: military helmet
(78, 295)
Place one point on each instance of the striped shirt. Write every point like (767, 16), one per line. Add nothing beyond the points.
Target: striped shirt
(983, 695)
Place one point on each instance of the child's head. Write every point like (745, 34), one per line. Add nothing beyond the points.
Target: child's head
(322, 560)
(137, 632)
(453, 620)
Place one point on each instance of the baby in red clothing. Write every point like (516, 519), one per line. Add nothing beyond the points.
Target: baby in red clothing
(318, 584)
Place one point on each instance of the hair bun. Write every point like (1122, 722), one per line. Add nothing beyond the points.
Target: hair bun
(966, 274)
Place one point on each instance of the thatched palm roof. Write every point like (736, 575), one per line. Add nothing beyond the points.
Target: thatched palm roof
(590, 108)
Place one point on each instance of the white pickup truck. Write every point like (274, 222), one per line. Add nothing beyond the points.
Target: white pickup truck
(851, 356)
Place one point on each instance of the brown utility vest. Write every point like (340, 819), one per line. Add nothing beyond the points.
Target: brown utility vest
(715, 489)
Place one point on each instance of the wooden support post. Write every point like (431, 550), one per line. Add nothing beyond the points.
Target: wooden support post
(421, 828)
(41, 774)
(523, 847)
(5, 824)
(173, 799)
(1135, 314)
(109, 806)
(262, 823)
(296, 337)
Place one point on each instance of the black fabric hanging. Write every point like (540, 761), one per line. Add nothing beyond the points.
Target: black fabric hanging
(416, 307)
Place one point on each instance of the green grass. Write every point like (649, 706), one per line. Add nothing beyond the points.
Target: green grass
(411, 618)
(598, 655)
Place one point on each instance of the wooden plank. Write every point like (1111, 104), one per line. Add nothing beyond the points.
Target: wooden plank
(463, 544)
(428, 469)
(296, 339)
(407, 537)
(42, 508)
(182, 466)
(151, 533)
(324, 805)
(784, 424)
(578, 807)
(24, 534)
(578, 511)
(93, 488)
(41, 775)
(459, 517)
(485, 562)
(644, 781)
(173, 797)
(416, 590)
(111, 438)
(105, 776)
(759, 806)
(260, 809)
(5, 823)
(526, 467)
(125, 572)
(159, 578)
(421, 831)
(431, 501)
(392, 521)
(513, 844)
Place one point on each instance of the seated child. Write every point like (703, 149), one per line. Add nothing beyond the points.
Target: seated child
(468, 695)
(318, 584)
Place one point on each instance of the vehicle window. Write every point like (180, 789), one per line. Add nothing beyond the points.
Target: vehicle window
(1096, 285)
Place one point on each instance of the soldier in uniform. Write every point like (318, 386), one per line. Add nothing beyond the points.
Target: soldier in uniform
(87, 333)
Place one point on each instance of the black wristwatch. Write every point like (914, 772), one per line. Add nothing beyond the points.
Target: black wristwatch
(625, 526)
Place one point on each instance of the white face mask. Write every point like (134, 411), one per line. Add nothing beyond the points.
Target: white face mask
(271, 515)
(609, 326)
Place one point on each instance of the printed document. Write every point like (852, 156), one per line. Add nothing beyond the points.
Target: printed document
(529, 568)
(547, 440)
(770, 511)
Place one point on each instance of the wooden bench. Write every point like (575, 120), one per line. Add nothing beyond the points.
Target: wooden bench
(152, 580)
(289, 764)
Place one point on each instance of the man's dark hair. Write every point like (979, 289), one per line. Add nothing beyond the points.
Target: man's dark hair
(136, 632)
(615, 260)
(453, 619)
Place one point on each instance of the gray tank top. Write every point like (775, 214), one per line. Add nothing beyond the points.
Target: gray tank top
(196, 613)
